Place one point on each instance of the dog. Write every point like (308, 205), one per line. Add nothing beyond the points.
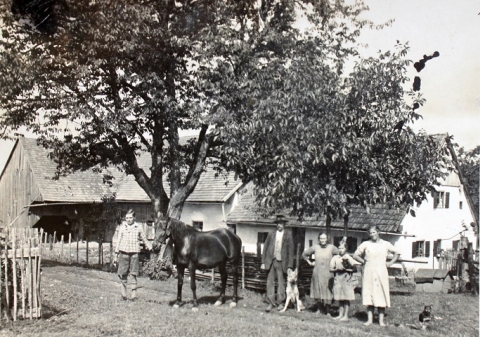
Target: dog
(426, 315)
(293, 295)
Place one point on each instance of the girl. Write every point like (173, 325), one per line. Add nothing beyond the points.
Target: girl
(342, 266)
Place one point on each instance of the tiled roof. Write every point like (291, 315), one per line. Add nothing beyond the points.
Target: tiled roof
(209, 189)
(78, 187)
(88, 186)
(387, 220)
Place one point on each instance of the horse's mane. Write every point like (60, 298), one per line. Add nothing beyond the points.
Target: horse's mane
(178, 227)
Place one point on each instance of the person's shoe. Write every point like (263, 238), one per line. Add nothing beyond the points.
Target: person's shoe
(124, 298)
(269, 308)
(280, 307)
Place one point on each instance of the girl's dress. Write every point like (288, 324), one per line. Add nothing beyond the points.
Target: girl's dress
(375, 284)
(343, 286)
(322, 279)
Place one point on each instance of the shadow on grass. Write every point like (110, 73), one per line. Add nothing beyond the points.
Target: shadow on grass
(49, 312)
(205, 300)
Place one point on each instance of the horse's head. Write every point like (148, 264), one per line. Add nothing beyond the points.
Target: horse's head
(162, 232)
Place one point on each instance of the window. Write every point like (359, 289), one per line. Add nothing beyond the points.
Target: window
(421, 249)
(261, 237)
(456, 245)
(441, 200)
(310, 243)
(198, 225)
(437, 247)
(351, 242)
(233, 228)
(460, 205)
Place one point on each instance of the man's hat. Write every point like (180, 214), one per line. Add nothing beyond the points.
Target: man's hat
(280, 219)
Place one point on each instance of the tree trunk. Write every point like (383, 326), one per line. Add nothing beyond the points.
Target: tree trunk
(345, 227)
(328, 229)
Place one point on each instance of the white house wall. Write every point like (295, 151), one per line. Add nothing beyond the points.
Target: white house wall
(431, 224)
(210, 214)
(249, 235)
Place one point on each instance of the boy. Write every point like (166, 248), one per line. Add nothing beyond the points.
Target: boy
(130, 235)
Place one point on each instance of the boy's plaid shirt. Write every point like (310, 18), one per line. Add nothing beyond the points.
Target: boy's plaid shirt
(129, 238)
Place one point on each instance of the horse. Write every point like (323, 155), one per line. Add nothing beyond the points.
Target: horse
(202, 250)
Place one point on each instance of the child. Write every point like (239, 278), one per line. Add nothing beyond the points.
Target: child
(130, 235)
(343, 287)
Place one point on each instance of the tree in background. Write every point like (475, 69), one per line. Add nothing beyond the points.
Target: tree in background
(469, 162)
(105, 82)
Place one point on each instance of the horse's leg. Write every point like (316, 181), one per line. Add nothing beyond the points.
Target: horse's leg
(181, 272)
(223, 275)
(233, 304)
(193, 285)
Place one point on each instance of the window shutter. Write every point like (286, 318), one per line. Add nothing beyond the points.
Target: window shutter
(414, 249)
(435, 248)
(427, 248)
(447, 199)
(435, 199)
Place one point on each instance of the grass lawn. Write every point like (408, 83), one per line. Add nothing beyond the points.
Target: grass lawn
(86, 302)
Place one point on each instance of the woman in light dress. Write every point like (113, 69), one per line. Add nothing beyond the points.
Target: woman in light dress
(375, 285)
(322, 279)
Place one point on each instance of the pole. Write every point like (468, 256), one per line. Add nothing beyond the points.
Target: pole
(243, 267)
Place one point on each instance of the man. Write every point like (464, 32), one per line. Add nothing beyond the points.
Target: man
(130, 235)
(277, 258)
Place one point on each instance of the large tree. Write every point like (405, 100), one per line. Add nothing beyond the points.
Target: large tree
(324, 141)
(107, 81)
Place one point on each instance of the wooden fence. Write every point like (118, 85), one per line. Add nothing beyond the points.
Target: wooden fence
(20, 273)
(76, 251)
(252, 277)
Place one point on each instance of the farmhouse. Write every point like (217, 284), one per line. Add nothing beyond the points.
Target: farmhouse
(422, 234)
(30, 197)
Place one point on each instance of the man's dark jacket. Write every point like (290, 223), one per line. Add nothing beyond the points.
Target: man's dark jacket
(287, 251)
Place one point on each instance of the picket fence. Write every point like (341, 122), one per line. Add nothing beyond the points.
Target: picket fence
(20, 273)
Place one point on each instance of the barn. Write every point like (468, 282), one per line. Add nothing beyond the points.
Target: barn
(31, 197)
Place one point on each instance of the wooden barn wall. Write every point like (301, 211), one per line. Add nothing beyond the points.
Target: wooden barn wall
(18, 189)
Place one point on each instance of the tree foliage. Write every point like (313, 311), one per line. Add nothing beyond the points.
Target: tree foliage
(469, 162)
(113, 80)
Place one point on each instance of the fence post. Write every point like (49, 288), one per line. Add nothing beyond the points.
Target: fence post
(22, 253)
(100, 248)
(29, 274)
(61, 248)
(87, 253)
(213, 274)
(111, 254)
(1, 278)
(243, 267)
(34, 283)
(7, 295)
(77, 249)
(39, 274)
(55, 237)
(14, 266)
(41, 241)
(69, 247)
(297, 260)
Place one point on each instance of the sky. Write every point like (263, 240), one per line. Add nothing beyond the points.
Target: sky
(450, 82)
